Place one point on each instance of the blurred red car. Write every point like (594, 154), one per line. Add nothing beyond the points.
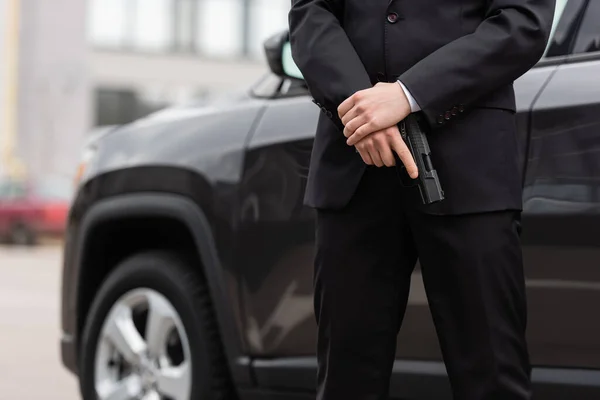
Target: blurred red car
(30, 209)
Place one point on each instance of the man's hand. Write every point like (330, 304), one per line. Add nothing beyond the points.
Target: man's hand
(376, 149)
(372, 110)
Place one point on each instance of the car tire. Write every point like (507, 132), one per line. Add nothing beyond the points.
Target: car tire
(22, 235)
(156, 275)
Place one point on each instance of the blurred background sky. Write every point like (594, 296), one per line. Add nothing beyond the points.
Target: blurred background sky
(68, 66)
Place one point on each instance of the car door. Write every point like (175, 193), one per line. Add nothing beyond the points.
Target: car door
(417, 339)
(562, 201)
(275, 235)
(276, 249)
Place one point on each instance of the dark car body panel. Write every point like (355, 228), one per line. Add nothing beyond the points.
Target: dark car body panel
(562, 218)
(427, 379)
(243, 165)
(279, 240)
(201, 163)
(278, 250)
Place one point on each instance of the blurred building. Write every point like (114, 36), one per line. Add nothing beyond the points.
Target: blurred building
(44, 87)
(148, 53)
(69, 65)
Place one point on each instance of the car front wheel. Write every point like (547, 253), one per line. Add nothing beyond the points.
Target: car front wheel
(151, 334)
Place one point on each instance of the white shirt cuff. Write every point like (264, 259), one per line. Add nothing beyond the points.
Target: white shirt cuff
(414, 106)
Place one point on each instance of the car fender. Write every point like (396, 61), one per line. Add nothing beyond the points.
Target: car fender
(185, 211)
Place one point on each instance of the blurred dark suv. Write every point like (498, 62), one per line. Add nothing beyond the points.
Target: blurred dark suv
(188, 259)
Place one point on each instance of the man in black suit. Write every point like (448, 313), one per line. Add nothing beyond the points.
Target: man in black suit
(368, 64)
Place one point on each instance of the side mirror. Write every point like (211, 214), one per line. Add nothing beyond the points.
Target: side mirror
(279, 56)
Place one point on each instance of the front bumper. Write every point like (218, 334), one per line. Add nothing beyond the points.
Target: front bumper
(68, 339)
(68, 352)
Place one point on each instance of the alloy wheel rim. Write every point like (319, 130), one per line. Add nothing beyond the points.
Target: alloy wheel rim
(143, 350)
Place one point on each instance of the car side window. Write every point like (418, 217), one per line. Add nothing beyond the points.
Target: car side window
(566, 21)
(588, 40)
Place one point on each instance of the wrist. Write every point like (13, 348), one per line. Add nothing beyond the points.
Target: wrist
(405, 101)
(413, 105)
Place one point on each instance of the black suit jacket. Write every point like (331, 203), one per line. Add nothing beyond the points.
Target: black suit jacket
(458, 58)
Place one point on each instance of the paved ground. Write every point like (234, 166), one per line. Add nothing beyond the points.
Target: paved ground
(30, 367)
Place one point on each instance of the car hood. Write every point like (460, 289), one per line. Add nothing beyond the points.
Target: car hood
(196, 137)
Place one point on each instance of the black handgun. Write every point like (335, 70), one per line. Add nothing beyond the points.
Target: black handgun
(415, 138)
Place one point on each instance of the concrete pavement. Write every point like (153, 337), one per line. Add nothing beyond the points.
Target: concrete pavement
(30, 367)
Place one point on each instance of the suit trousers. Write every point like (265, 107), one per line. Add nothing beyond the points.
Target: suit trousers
(473, 275)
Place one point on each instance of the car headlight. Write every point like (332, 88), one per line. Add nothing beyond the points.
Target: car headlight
(83, 168)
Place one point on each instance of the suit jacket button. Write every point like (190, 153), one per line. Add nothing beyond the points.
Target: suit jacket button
(381, 77)
(329, 114)
(447, 115)
(440, 119)
(454, 110)
(392, 18)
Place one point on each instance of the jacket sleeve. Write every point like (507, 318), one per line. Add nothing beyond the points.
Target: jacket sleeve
(510, 40)
(322, 51)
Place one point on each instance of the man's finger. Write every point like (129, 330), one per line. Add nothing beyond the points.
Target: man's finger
(350, 115)
(360, 134)
(346, 106)
(387, 156)
(376, 157)
(406, 157)
(353, 125)
(366, 157)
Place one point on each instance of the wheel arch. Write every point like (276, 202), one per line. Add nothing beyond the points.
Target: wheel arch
(178, 210)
